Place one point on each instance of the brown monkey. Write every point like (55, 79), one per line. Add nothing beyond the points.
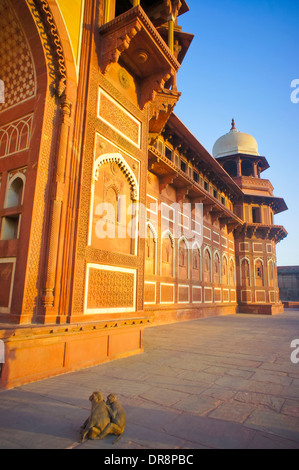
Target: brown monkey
(98, 420)
(117, 416)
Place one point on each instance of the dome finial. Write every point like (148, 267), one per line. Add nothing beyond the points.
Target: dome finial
(233, 125)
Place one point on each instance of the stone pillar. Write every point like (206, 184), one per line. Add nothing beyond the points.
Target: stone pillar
(171, 20)
(56, 208)
(239, 167)
(109, 12)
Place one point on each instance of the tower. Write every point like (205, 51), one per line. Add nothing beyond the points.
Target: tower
(256, 239)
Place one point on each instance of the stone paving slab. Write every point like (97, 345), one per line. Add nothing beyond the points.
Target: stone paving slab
(215, 383)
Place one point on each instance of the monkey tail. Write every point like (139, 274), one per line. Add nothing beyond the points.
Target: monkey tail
(118, 438)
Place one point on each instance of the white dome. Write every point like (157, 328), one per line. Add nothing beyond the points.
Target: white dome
(235, 142)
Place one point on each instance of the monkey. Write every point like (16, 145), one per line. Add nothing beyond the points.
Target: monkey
(117, 416)
(98, 420)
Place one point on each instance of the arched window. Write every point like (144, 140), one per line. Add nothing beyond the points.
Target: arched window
(271, 273)
(232, 272)
(196, 263)
(114, 216)
(10, 226)
(207, 265)
(259, 272)
(216, 268)
(150, 249)
(245, 272)
(167, 254)
(14, 195)
(183, 259)
(224, 277)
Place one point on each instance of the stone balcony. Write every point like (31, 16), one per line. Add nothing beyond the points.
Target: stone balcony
(132, 38)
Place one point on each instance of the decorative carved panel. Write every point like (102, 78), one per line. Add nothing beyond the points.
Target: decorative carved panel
(110, 289)
(16, 63)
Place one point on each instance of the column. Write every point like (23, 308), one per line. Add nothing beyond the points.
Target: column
(170, 20)
(239, 167)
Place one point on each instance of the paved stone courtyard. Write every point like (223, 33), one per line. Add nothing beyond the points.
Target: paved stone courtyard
(215, 383)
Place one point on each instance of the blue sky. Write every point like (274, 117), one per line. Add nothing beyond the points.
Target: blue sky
(240, 65)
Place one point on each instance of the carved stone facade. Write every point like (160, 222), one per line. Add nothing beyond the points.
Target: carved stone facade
(112, 213)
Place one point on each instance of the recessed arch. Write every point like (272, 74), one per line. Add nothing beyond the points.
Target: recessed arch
(167, 253)
(232, 271)
(150, 249)
(207, 264)
(123, 165)
(259, 272)
(196, 262)
(245, 271)
(217, 267)
(152, 229)
(224, 269)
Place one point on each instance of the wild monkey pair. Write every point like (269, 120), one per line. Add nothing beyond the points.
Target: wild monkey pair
(105, 418)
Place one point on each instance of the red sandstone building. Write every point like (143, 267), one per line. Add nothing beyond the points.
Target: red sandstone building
(90, 88)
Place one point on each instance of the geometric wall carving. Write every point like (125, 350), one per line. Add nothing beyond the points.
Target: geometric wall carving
(149, 293)
(110, 289)
(208, 293)
(217, 294)
(246, 296)
(16, 63)
(196, 294)
(260, 296)
(225, 293)
(183, 294)
(167, 293)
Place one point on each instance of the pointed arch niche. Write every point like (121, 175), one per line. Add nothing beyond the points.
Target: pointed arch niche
(196, 262)
(183, 258)
(114, 210)
(150, 249)
(207, 265)
(167, 258)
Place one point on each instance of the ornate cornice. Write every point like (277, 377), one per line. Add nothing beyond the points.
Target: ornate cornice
(269, 232)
